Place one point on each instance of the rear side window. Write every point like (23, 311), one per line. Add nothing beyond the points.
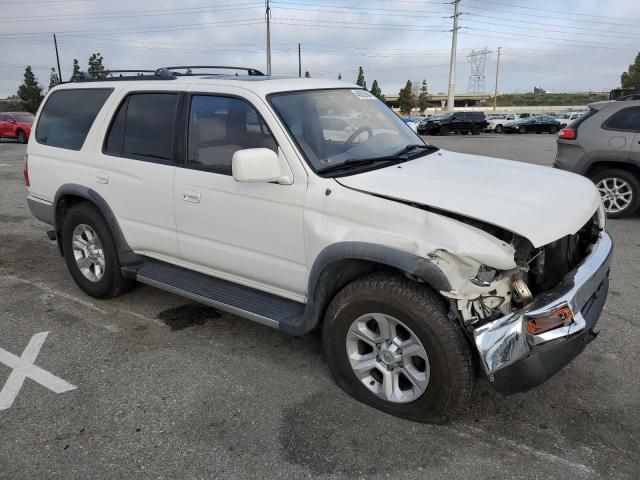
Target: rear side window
(143, 127)
(627, 120)
(68, 115)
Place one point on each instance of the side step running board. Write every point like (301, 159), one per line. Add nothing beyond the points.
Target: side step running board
(256, 305)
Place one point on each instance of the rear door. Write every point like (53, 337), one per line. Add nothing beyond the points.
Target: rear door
(136, 167)
(622, 129)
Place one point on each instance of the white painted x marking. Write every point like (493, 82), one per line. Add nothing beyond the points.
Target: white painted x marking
(23, 367)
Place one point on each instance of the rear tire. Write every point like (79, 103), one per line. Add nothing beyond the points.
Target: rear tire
(21, 137)
(553, 129)
(90, 253)
(444, 130)
(498, 129)
(522, 129)
(620, 192)
(476, 129)
(416, 317)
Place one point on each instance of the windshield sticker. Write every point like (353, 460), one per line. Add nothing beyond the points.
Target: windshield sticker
(363, 94)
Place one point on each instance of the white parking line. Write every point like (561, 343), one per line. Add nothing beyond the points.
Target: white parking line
(23, 368)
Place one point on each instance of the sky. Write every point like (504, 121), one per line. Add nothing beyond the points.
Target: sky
(573, 45)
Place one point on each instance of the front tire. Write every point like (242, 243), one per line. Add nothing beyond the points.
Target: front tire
(444, 130)
(389, 343)
(498, 129)
(522, 129)
(620, 192)
(553, 129)
(90, 253)
(21, 137)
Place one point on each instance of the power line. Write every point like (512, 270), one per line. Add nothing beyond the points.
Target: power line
(561, 12)
(134, 14)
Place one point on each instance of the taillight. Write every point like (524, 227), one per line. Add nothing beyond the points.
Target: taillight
(567, 134)
(26, 171)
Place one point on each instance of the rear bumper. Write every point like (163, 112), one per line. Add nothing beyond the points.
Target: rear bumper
(42, 209)
(514, 360)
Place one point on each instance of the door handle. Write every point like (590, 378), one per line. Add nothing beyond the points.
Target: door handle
(191, 196)
(102, 177)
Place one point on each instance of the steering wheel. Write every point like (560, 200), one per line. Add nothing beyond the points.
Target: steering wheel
(357, 133)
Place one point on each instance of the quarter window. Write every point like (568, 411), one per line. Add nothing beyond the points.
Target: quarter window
(219, 127)
(68, 115)
(627, 120)
(143, 127)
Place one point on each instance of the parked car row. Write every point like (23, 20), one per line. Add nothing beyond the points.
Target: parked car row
(476, 122)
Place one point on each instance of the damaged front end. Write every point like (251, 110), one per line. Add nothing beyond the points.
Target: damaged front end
(529, 322)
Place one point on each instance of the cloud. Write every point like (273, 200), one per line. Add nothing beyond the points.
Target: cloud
(392, 40)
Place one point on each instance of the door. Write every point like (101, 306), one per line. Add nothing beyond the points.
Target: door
(250, 233)
(458, 122)
(136, 169)
(622, 128)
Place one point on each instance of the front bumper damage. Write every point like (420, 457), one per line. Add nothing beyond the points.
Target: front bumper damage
(515, 360)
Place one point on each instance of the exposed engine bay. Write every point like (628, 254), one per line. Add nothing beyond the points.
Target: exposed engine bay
(537, 270)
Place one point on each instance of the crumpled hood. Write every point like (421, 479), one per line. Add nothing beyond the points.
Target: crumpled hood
(539, 203)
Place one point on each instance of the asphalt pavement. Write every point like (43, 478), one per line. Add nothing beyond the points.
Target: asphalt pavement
(151, 385)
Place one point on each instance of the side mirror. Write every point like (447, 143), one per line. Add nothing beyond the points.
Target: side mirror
(257, 165)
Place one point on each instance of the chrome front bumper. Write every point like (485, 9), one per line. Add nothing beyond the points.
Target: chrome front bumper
(514, 360)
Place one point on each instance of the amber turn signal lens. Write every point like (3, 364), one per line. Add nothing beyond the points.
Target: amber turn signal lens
(561, 317)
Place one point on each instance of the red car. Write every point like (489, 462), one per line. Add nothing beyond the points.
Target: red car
(16, 125)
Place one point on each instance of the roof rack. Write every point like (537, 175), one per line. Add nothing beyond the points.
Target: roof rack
(163, 73)
(171, 70)
(111, 75)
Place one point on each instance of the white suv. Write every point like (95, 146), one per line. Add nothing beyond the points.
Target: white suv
(417, 264)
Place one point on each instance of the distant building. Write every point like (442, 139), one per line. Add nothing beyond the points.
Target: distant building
(539, 90)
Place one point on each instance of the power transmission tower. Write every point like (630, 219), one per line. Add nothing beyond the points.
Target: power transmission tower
(452, 63)
(478, 61)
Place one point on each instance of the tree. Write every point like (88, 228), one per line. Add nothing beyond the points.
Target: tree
(631, 78)
(53, 79)
(375, 90)
(307, 74)
(95, 66)
(76, 74)
(406, 99)
(360, 80)
(423, 97)
(30, 92)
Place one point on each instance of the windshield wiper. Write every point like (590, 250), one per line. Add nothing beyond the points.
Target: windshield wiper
(396, 157)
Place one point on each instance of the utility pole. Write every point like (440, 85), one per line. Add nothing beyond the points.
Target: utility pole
(299, 62)
(452, 64)
(55, 43)
(495, 92)
(268, 16)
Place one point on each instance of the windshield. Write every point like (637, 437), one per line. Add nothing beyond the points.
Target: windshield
(341, 126)
(24, 118)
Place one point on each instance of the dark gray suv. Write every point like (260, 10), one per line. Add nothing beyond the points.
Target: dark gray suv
(604, 145)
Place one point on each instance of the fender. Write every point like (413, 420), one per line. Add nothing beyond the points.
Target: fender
(125, 254)
(612, 162)
(341, 263)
